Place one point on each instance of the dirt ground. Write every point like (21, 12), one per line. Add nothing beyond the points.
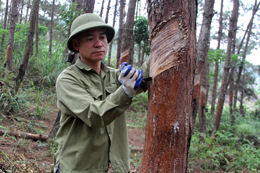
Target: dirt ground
(28, 156)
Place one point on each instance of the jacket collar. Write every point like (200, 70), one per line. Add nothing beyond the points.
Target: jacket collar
(81, 65)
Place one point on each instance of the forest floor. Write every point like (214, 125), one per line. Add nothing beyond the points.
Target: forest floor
(26, 155)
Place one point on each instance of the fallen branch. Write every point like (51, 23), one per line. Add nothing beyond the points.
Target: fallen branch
(34, 137)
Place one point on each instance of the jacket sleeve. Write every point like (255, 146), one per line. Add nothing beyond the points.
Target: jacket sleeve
(75, 100)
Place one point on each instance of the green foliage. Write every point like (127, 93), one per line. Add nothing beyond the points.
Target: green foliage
(218, 55)
(69, 13)
(235, 148)
(141, 30)
(140, 102)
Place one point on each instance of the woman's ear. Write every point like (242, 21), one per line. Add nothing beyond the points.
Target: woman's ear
(75, 44)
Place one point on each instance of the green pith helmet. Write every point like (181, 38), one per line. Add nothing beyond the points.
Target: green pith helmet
(88, 21)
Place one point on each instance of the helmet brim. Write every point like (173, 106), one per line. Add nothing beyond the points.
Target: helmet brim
(110, 32)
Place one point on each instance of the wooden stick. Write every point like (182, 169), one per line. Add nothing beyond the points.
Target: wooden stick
(25, 135)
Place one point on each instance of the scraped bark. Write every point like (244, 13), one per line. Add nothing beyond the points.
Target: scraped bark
(9, 61)
(202, 56)
(120, 31)
(127, 51)
(173, 48)
(24, 135)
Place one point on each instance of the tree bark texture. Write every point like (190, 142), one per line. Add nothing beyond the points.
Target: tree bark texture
(9, 61)
(5, 20)
(102, 8)
(111, 43)
(89, 6)
(55, 127)
(51, 27)
(202, 56)
(21, 14)
(27, 11)
(24, 135)
(173, 48)
(108, 9)
(127, 49)
(120, 31)
(214, 89)
(13, 15)
(28, 45)
(36, 32)
(224, 84)
(248, 29)
(203, 98)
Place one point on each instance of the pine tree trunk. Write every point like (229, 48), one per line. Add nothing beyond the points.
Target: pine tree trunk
(111, 43)
(28, 45)
(248, 29)
(5, 20)
(214, 90)
(202, 56)
(51, 27)
(13, 16)
(27, 11)
(173, 48)
(21, 14)
(139, 55)
(242, 96)
(203, 98)
(120, 31)
(102, 7)
(37, 32)
(108, 9)
(89, 6)
(127, 49)
(224, 84)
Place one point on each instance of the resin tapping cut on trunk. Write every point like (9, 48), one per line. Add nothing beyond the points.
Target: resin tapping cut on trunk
(166, 50)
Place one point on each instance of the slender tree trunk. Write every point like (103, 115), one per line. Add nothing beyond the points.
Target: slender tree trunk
(111, 43)
(139, 55)
(214, 90)
(203, 98)
(27, 11)
(108, 9)
(142, 55)
(242, 96)
(37, 32)
(231, 80)
(224, 84)
(248, 29)
(51, 26)
(127, 49)
(102, 8)
(21, 14)
(173, 51)
(120, 31)
(13, 16)
(5, 20)
(202, 56)
(88, 6)
(28, 45)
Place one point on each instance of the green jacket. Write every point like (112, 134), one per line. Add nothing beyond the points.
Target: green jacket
(93, 127)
